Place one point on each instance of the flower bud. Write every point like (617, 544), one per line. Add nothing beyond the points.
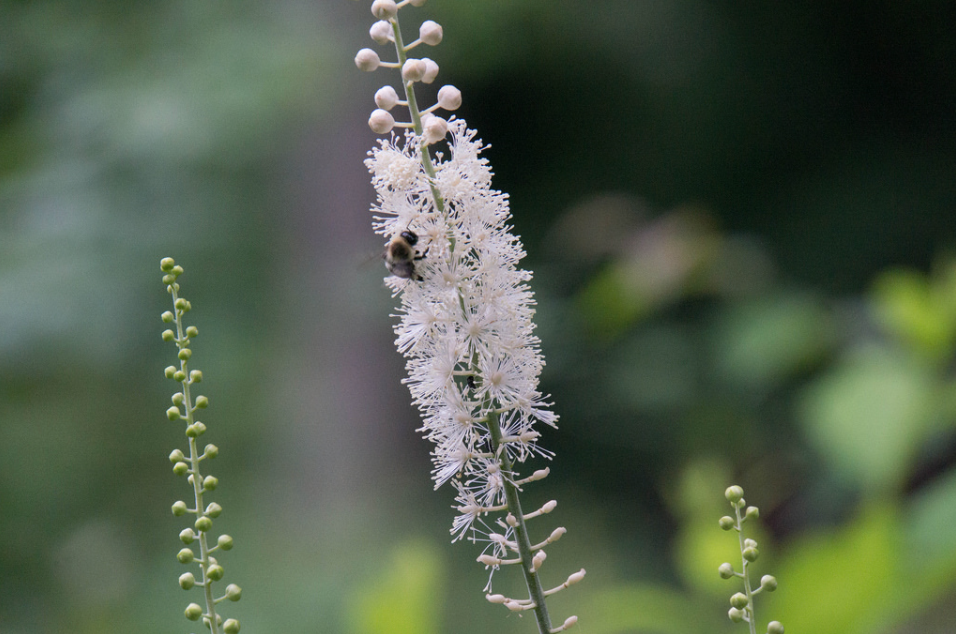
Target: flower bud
(384, 9)
(179, 508)
(569, 622)
(435, 129)
(726, 522)
(430, 32)
(179, 376)
(752, 513)
(233, 592)
(413, 69)
(169, 371)
(751, 554)
(231, 626)
(225, 542)
(449, 98)
(381, 122)
(180, 468)
(193, 612)
(184, 354)
(213, 510)
(215, 572)
(768, 583)
(726, 570)
(367, 60)
(176, 456)
(209, 483)
(733, 493)
(496, 598)
(167, 317)
(211, 451)
(168, 335)
(195, 376)
(774, 627)
(386, 98)
(739, 600)
(167, 264)
(177, 270)
(576, 577)
(203, 524)
(178, 399)
(187, 580)
(431, 71)
(735, 615)
(750, 543)
(186, 556)
(381, 32)
(181, 304)
(187, 536)
(173, 413)
(202, 402)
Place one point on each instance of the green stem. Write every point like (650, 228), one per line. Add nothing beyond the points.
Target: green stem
(535, 589)
(751, 620)
(194, 456)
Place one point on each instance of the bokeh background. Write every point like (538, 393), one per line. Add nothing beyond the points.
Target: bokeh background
(741, 220)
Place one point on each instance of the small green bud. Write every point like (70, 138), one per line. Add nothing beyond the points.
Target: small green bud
(209, 483)
(203, 524)
(739, 600)
(192, 331)
(170, 371)
(179, 376)
(213, 510)
(752, 513)
(167, 317)
(167, 264)
(750, 543)
(188, 308)
(168, 335)
(196, 430)
(233, 592)
(178, 270)
(774, 627)
(193, 612)
(726, 522)
(215, 572)
(173, 413)
(751, 554)
(195, 376)
(225, 543)
(211, 451)
(179, 508)
(726, 570)
(176, 456)
(187, 580)
(184, 354)
(178, 399)
(169, 278)
(187, 536)
(231, 626)
(733, 493)
(186, 556)
(768, 583)
(180, 468)
(735, 615)
(181, 304)
(202, 402)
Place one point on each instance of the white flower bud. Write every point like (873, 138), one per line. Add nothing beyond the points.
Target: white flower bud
(413, 70)
(381, 121)
(434, 130)
(496, 598)
(386, 98)
(569, 622)
(431, 70)
(430, 32)
(384, 9)
(449, 98)
(382, 32)
(367, 59)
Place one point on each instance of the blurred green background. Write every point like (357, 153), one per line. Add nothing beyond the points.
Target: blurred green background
(741, 221)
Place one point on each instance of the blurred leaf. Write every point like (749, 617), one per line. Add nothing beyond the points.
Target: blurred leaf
(403, 599)
(910, 307)
(869, 414)
(647, 609)
(930, 526)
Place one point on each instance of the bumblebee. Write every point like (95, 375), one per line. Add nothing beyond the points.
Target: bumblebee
(400, 256)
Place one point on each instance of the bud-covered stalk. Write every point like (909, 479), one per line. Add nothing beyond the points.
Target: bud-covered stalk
(184, 409)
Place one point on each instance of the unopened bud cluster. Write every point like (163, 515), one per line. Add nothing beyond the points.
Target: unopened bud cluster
(742, 603)
(432, 128)
(185, 407)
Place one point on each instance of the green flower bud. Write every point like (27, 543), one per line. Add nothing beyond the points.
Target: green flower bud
(186, 556)
(188, 308)
(209, 483)
(768, 583)
(739, 600)
(735, 615)
(231, 626)
(181, 304)
(203, 524)
(213, 510)
(192, 331)
(180, 468)
(233, 592)
(195, 376)
(184, 354)
(187, 536)
(178, 399)
(202, 402)
(179, 508)
(726, 522)
(168, 335)
(176, 456)
(169, 279)
(167, 317)
(178, 270)
(179, 376)
(173, 413)
(774, 627)
(733, 493)
(170, 371)
(193, 612)
(751, 554)
(215, 572)
(187, 580)
(725, 570)
(166, 264)
(750, 543)
(196, 430)
(752, 513)
(211, 451)
(225, 543)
